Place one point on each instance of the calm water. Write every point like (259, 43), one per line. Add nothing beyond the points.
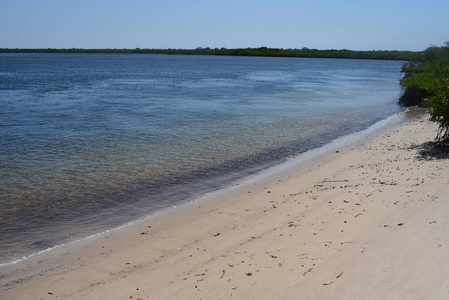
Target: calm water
(90, 141)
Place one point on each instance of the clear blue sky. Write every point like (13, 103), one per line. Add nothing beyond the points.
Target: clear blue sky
(323, 24)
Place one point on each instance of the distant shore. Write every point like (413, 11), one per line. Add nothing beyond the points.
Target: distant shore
(364, 221)
(261, 51)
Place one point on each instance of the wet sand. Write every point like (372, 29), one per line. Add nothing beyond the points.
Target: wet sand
(366, 221)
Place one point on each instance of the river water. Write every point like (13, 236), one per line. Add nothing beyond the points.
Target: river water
(92, 141)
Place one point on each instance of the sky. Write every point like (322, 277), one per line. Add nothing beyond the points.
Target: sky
(187, 24)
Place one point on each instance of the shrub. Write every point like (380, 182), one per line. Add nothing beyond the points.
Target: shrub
(427, 81)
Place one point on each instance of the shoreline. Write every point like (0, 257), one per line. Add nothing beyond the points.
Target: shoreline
(226, 181)
(287, 232)
(68, 182)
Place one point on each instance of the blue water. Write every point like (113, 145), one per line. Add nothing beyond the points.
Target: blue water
(90, 141)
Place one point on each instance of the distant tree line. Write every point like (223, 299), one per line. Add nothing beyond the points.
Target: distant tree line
(426, 83)
(261, 51)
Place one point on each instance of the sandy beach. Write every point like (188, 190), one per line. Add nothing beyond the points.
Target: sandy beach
(366, 221)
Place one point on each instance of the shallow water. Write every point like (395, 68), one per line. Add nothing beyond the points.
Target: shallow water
(90, 141)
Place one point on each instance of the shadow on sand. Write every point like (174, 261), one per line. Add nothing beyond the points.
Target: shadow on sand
(433, 150)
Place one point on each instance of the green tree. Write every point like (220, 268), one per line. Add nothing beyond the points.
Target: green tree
(427, 81)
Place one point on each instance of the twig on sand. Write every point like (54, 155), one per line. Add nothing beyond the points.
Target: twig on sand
(344, 180)
(310, 270)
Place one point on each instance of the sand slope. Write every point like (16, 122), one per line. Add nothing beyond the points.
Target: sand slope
(370, 221)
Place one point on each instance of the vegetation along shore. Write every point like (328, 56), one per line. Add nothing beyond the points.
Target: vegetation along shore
(260, 51)
(426, 83)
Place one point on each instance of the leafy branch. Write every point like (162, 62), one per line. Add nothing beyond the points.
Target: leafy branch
(426, 83)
